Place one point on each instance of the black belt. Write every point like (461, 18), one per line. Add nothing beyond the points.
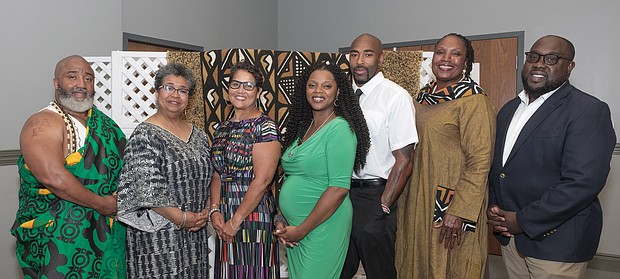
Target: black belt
(365, 183)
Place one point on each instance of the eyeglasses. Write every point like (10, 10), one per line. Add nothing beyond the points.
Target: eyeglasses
(170, 89)
(549, 59)
(247, 85)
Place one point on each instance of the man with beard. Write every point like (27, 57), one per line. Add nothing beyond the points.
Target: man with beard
(71, 159)
(390, 116)
(552, 154)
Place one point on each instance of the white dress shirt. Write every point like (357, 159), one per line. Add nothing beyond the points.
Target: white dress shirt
(390, 117)
(523, 113)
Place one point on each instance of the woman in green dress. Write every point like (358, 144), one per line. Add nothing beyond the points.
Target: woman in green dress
(326, 140)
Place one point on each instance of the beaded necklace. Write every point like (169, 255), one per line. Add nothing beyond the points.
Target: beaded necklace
(71, 134)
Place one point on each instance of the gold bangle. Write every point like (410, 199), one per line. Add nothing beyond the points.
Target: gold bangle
(231, 225)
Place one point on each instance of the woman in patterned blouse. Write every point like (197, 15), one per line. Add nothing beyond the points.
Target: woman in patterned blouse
(245, 155)
(164, 186)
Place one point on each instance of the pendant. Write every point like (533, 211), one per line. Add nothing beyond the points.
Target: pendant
(290, 152)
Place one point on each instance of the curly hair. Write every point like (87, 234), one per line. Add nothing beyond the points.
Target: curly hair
(250, 68)
(346, 106)
(470, 51)
(178, 70)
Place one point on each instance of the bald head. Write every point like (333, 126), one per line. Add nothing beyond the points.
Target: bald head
(74, 81)
(62, 64)
(541, 76)
(365, 58)
(368, 39)
(562, 45)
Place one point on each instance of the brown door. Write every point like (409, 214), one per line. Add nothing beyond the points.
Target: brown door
(498, 66)
(498, 76)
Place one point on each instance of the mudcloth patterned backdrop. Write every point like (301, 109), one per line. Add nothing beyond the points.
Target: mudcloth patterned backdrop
(280, 70)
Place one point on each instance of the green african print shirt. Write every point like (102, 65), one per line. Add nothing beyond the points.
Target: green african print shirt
(60, 239)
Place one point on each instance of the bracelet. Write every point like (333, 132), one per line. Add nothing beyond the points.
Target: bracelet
(231, 225)
(213, 210)
(215, 205)
(182, 224)
(385, 208)
(281, 219)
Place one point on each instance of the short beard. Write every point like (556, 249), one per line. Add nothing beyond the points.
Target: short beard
(67, 101)
(546, 88)
(368, 76)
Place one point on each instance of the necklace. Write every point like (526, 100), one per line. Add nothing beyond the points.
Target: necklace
(244, 116)
(72, 135)
(290, 152)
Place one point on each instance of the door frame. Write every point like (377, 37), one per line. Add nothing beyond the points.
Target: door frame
(520, 48)
(127, 37)
(520, 35)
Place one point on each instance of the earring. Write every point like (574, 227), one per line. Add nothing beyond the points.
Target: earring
(336, 102)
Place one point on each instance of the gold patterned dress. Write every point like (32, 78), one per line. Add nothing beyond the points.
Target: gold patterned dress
(454, 155)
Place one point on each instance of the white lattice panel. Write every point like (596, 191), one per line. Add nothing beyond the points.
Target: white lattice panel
(102, 66)
(134, 77)
(426, 70)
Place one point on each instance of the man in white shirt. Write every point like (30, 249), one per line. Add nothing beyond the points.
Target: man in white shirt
(553, 148)
(390, 116)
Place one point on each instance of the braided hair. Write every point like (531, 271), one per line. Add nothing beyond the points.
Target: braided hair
(346, 106)
(470, 51)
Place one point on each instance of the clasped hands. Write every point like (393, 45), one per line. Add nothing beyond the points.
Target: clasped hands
(195, 221)
(288, 235)
(503, 222)
(225, 230)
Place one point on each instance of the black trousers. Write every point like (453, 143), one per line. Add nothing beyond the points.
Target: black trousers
(373, 235)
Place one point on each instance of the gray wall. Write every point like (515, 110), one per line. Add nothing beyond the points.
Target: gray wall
(326, 25)
(8, 204)
(35, 34)
(213, 24)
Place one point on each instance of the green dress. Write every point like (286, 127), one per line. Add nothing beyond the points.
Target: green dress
(325, 159)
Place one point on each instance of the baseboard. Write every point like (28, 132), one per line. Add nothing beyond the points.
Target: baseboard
(605, 262)
(9, 157)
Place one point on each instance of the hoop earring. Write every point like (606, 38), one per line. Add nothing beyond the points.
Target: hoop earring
(336, 102)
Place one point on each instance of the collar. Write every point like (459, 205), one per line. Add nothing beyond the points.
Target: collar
(369, 87)
(526, 100)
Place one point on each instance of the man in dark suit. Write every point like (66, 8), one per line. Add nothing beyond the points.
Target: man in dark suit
(552, 158)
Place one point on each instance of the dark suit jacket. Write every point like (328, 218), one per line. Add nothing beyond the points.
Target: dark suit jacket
(554, 173)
